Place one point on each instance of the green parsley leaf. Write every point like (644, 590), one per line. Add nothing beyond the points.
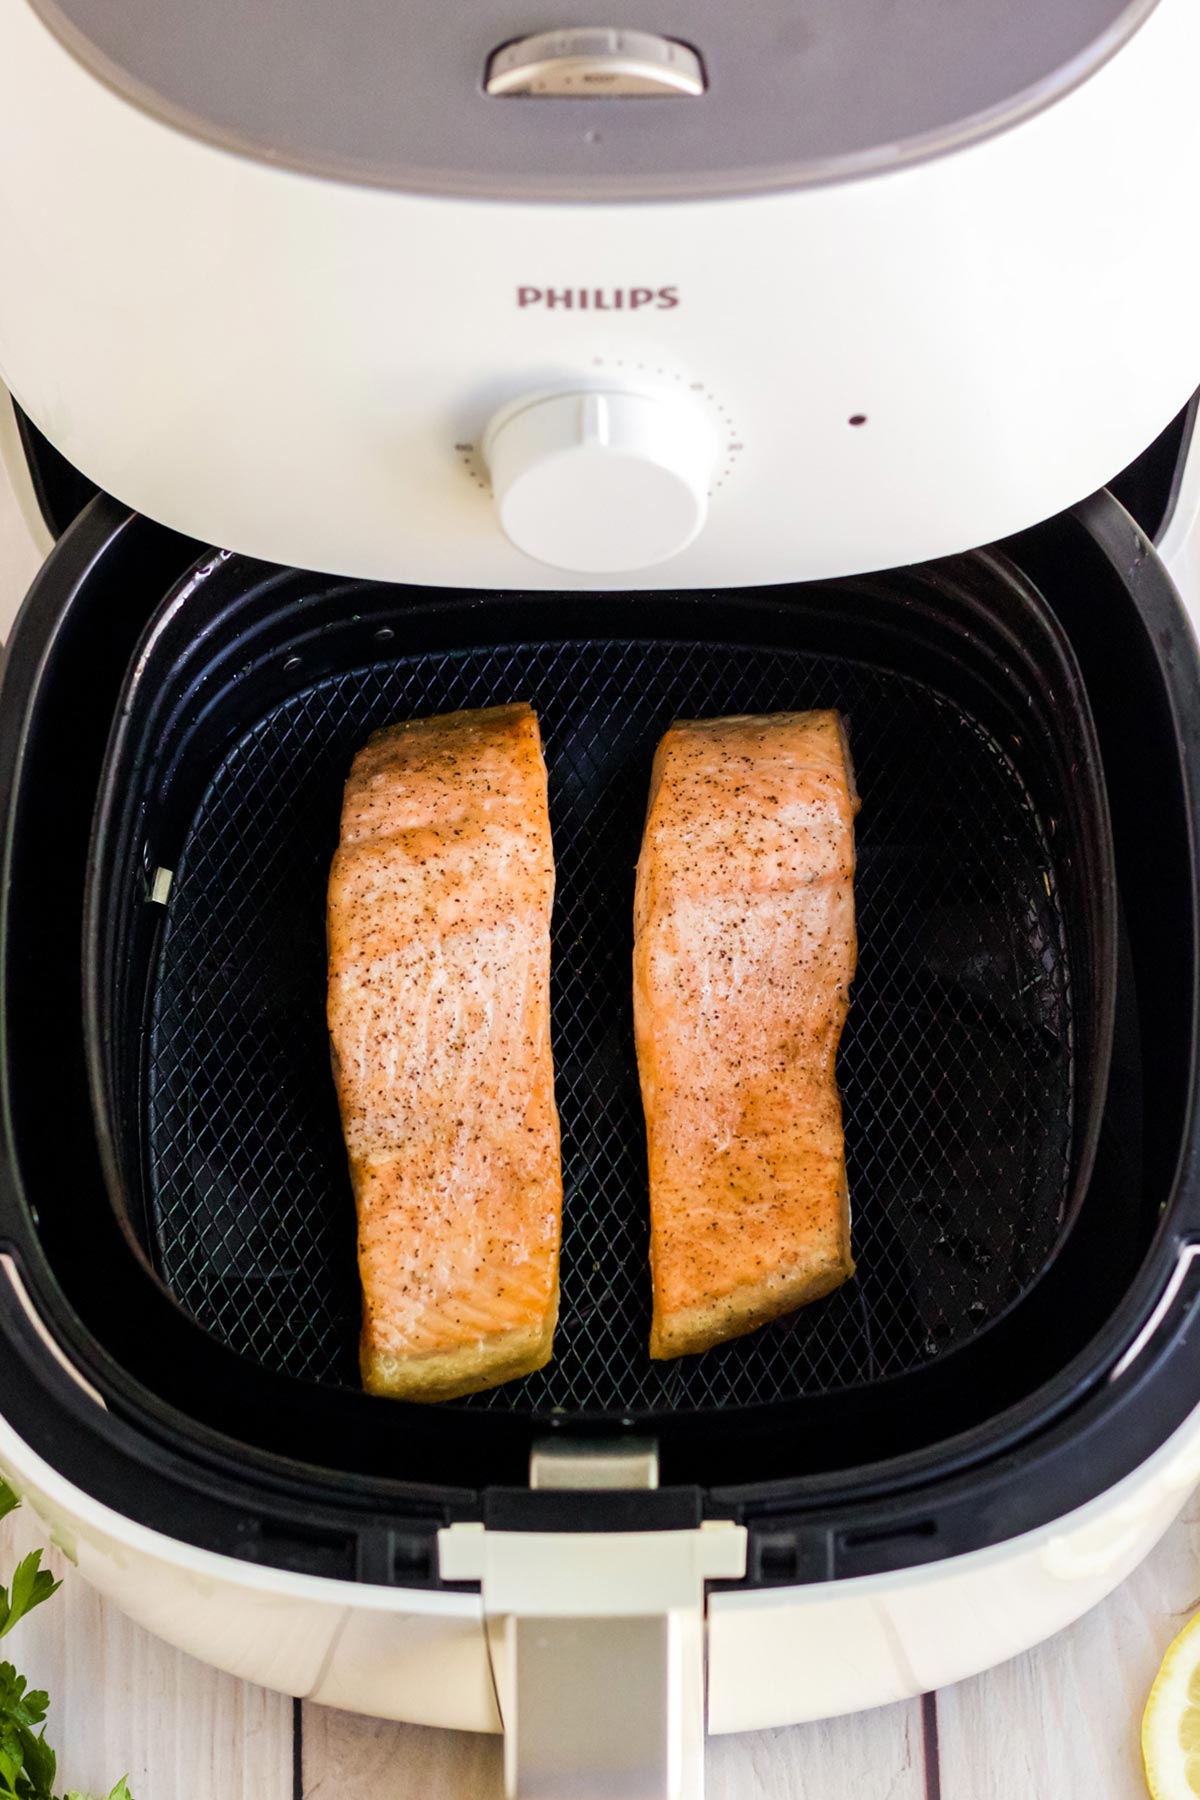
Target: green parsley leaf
(12, 1755)
(40, 1764)
(19, 1704)
(27, 1763)
(30, 1586)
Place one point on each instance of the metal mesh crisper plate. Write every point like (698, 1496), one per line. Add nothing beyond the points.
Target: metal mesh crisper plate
(956, 1066)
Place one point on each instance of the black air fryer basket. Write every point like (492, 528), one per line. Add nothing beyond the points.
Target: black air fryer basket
(1016, 1072)
(976, 1055)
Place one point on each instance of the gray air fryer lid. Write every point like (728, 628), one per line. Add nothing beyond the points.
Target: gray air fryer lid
(392, 92)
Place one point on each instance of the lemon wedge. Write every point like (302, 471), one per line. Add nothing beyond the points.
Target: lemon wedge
(1171, 1724)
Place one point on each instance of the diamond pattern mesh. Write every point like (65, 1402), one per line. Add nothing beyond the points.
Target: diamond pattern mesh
(956, 1066)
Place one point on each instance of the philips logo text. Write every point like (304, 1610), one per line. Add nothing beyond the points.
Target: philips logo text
(598, 299)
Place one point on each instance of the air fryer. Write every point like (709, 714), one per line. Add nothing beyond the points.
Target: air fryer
(386, 434)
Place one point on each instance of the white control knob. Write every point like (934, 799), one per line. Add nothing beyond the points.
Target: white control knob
(601, 482)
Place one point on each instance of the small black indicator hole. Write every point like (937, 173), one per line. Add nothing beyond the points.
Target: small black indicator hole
(857, 419)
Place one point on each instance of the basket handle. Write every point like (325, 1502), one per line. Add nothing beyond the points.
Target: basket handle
(597, 1647)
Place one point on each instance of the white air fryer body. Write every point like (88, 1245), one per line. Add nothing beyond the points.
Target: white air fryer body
(775, 1656)
(304, 368)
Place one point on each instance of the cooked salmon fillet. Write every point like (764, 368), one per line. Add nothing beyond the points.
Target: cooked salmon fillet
(744, 950)
(439, 1014)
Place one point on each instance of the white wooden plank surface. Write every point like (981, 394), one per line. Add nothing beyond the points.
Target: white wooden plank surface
(872, 1756)
(343, 1755)
(877, 1756)
(1063, 1722)
(123, 1703)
